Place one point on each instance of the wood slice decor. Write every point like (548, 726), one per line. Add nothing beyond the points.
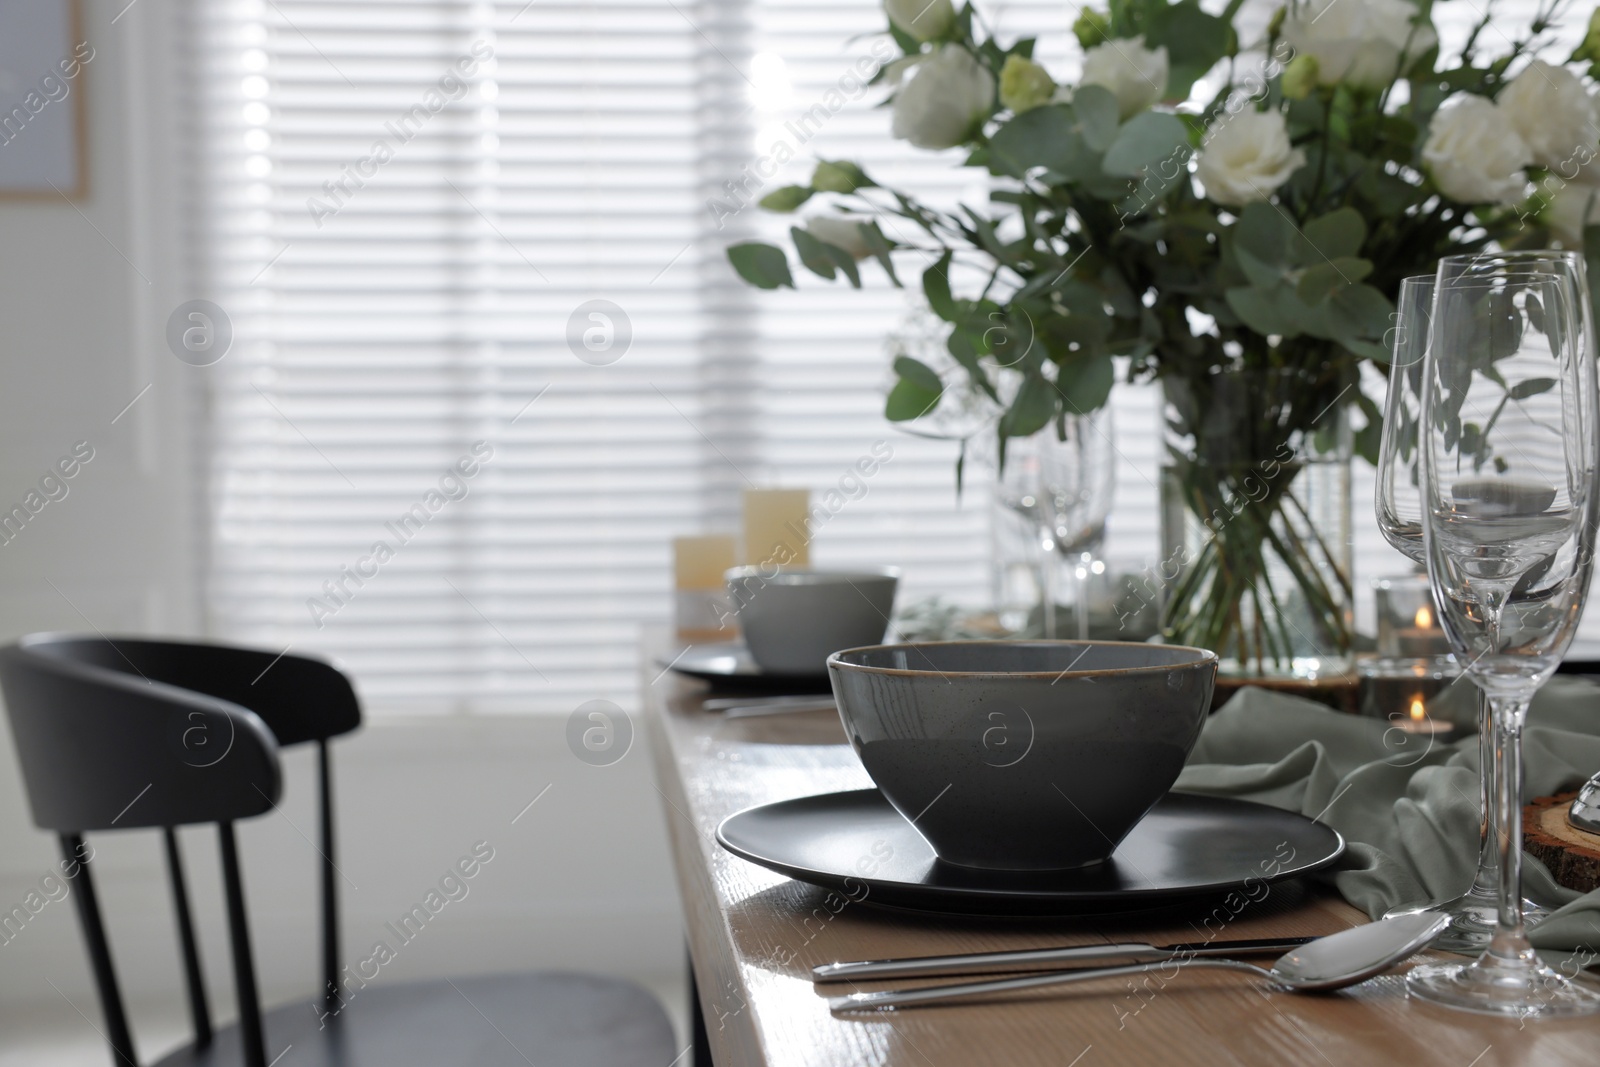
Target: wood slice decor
(1572, 855)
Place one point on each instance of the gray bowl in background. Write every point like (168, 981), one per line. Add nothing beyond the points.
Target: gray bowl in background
(793, 618)
(1023, 755)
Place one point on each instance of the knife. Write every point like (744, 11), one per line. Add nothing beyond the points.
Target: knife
(750, 711)
(725, 703)
(1049, 958)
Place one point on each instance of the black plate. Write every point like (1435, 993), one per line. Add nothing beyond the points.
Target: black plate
(727, 665)
(1188, 846)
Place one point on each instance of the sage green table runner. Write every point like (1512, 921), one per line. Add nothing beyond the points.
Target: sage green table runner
(1407, 806)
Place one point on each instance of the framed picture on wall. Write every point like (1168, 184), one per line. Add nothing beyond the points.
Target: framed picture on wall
(43, 58)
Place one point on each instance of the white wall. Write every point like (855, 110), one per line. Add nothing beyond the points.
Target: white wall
(582, 880)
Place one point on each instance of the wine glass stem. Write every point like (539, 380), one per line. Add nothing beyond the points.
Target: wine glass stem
(1485, 883)
(1048, 565)
(1509, 941)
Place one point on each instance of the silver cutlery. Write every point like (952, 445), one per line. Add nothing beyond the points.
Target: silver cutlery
(725, 703)
(1048, 958)
(1327, 963)
(1584, 813)
(750, 711)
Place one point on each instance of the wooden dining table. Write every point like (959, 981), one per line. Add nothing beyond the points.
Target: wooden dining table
(754, 935)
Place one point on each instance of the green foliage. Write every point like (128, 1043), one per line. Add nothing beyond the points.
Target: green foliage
(1145, 139)
(1097, 245)
(840, 176)
(761, 265)
(787, 199)
(1194, 41)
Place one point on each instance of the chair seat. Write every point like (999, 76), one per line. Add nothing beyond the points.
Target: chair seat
(546, 1018)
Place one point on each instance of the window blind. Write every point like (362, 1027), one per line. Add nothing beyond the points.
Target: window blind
(431, 461)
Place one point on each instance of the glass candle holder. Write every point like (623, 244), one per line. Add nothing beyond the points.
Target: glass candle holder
(1405, 691)
(1408, 626)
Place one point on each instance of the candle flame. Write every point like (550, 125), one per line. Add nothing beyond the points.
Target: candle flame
(1424, 618)
(1418, 710)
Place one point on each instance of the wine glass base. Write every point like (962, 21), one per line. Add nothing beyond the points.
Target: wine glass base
(1472, 919)
(1520, 988)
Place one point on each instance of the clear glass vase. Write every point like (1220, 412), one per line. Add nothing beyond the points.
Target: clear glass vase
(1255, 522)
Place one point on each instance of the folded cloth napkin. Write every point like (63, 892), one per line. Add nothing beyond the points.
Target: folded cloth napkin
(1407, 806)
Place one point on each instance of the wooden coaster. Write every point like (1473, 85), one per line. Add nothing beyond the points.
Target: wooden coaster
(1572, 855)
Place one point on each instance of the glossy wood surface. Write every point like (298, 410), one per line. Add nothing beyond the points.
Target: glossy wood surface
(754, 935)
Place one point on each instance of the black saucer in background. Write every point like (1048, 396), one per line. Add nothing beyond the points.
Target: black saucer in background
(727, 665)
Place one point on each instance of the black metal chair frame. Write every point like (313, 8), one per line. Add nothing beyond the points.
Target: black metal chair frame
(268, 702)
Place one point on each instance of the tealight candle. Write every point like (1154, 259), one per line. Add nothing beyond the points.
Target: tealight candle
(1415, 719)
(1422, 638)
(1400, 691)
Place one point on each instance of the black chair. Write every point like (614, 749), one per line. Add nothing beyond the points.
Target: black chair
(131, 733)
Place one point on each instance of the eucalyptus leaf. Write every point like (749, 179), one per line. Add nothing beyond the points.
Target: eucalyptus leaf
(1039, 137)
(813, 254)
(908, 400)
(840, 176)
(1336, 235)
(1530, 387)
(881, 246)
(1257, 310)
(762, 265)
(1144, 140)
(918, 373)
(936, 287)
(1095, 107)
(1264, 233)
(1360, 312)
(1261, 273)
(1031, 409)
(1321, 281)
(1195, 41)
(1085, 384)
(787, 199)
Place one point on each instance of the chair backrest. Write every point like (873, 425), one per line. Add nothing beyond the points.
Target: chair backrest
(299, 698)
(122, 733)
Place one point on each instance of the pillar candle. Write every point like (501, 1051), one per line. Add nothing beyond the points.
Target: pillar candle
(775, 531)
(701, 598)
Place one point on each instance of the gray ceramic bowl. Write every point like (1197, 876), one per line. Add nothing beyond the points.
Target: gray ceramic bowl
(793, 617)
(1023, 755)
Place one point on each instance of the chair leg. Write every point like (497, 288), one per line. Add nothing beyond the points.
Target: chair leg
(244, 971)
(94, 934)
(697, 1020)
(330, 886)
(199, 1012)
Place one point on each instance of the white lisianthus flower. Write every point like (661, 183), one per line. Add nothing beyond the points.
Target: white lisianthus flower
(1475, 153)
(841, 232)
(1551, 109)
(1570, 209)
(921, 19)
(1136, 75)
(1246, 157)
(944, 102)
(1357, 42)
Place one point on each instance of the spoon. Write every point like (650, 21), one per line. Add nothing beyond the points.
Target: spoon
(1331, 962)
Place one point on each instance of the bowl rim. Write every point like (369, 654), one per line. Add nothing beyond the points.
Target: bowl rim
(1201, 657)
(829, 575)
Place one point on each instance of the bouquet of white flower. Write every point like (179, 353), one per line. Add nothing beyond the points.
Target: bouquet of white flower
(1243, 247)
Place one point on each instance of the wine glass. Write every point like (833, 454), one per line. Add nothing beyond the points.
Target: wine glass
(1399, 510)
(1061, 480)
(1508, 442)
(1079, 472)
